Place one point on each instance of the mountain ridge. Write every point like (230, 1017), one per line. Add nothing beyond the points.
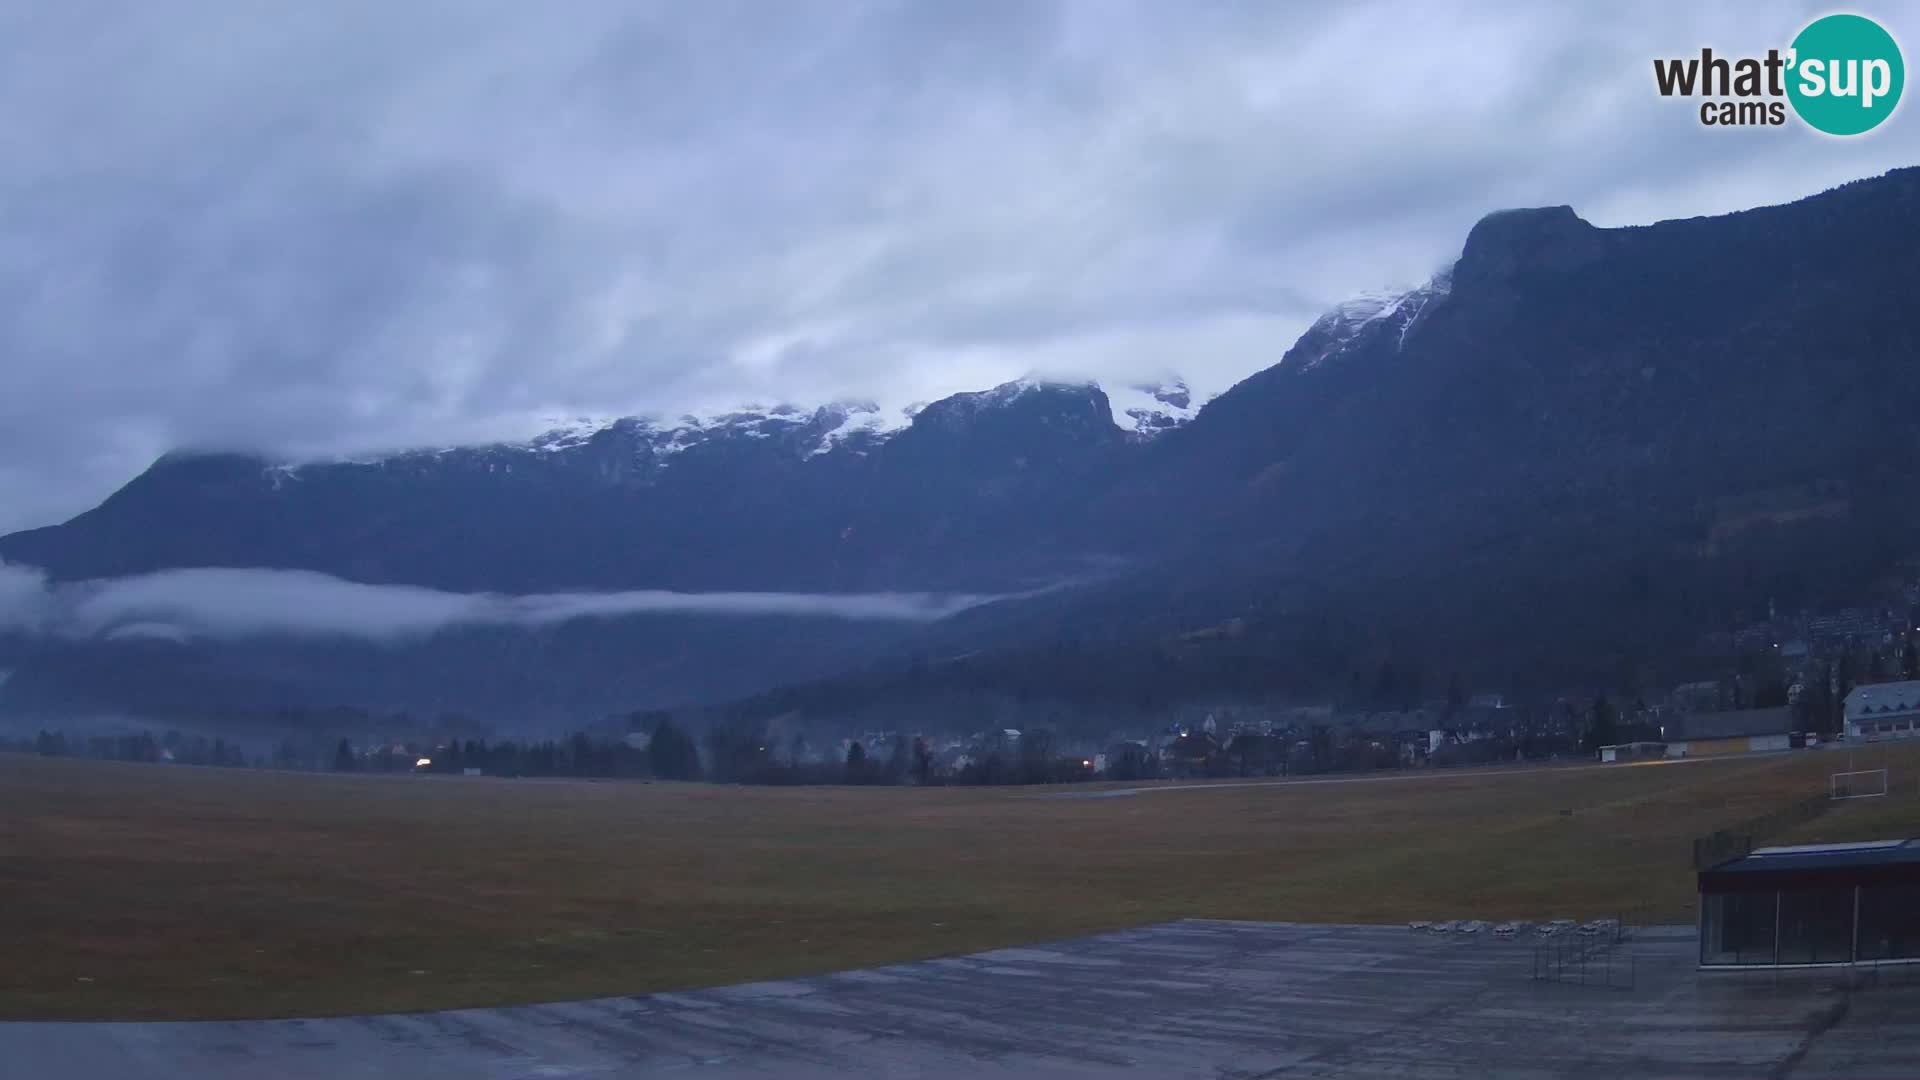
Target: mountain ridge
(1544, 428)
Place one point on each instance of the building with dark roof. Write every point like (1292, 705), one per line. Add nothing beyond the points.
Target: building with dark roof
(1736, 731)
(1813, 906)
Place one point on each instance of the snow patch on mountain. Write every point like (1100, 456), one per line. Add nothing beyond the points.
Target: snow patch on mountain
(570, 433)
(854, 420)
(1141, 409)
(1147, 409)
(854, 426)
(1005, 394)
(1397, 312)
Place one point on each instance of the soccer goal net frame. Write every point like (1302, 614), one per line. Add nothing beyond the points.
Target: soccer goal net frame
(1858, 784)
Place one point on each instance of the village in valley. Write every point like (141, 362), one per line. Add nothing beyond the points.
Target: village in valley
(1790, 681)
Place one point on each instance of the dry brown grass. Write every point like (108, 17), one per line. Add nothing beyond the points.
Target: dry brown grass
(130, 890)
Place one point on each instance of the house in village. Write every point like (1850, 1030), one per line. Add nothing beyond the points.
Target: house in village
(1880, 711)
(1732, 731)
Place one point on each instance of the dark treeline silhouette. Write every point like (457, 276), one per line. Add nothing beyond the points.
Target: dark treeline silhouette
(171, 746)
(579, 755)
(667, 752)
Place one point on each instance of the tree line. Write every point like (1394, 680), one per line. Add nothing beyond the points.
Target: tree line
(144, 746)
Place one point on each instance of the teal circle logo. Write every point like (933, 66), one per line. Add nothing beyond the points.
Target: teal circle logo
(1846, 74)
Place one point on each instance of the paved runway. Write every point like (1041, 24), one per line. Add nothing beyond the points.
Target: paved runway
(1206, 999)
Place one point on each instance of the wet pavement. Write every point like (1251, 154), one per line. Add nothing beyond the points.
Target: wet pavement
(1194, 998)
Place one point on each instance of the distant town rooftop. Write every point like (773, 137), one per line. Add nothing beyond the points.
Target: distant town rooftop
(1730, 724)
(1884, 697)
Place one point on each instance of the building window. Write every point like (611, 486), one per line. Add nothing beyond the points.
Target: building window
(1889, 922)
(1816, 925)
(1737, 928)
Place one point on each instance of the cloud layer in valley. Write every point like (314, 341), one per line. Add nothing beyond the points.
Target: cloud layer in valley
(180, 605)
(354, 225)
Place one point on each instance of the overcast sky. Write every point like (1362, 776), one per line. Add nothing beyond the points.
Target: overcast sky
(342, 226)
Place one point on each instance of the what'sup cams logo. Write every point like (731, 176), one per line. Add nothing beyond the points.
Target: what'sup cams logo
(1842, 75)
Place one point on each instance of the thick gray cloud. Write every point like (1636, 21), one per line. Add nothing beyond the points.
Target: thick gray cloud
(223, 603)
(355, 225)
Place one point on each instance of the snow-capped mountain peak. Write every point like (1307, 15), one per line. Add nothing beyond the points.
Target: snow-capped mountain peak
(845, 426)
(567, 433)
(1396, 312)
(1147, 409)
(1141, 409)
(854, 421)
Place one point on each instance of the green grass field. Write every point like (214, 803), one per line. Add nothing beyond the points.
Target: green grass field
(147, 891)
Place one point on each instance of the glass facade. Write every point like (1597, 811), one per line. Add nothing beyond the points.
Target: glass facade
(1738, 928)
(1835, 924)
(1889, 922)
(1816, 925)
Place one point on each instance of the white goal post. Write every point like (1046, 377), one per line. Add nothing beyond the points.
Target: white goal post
(1860, 784)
